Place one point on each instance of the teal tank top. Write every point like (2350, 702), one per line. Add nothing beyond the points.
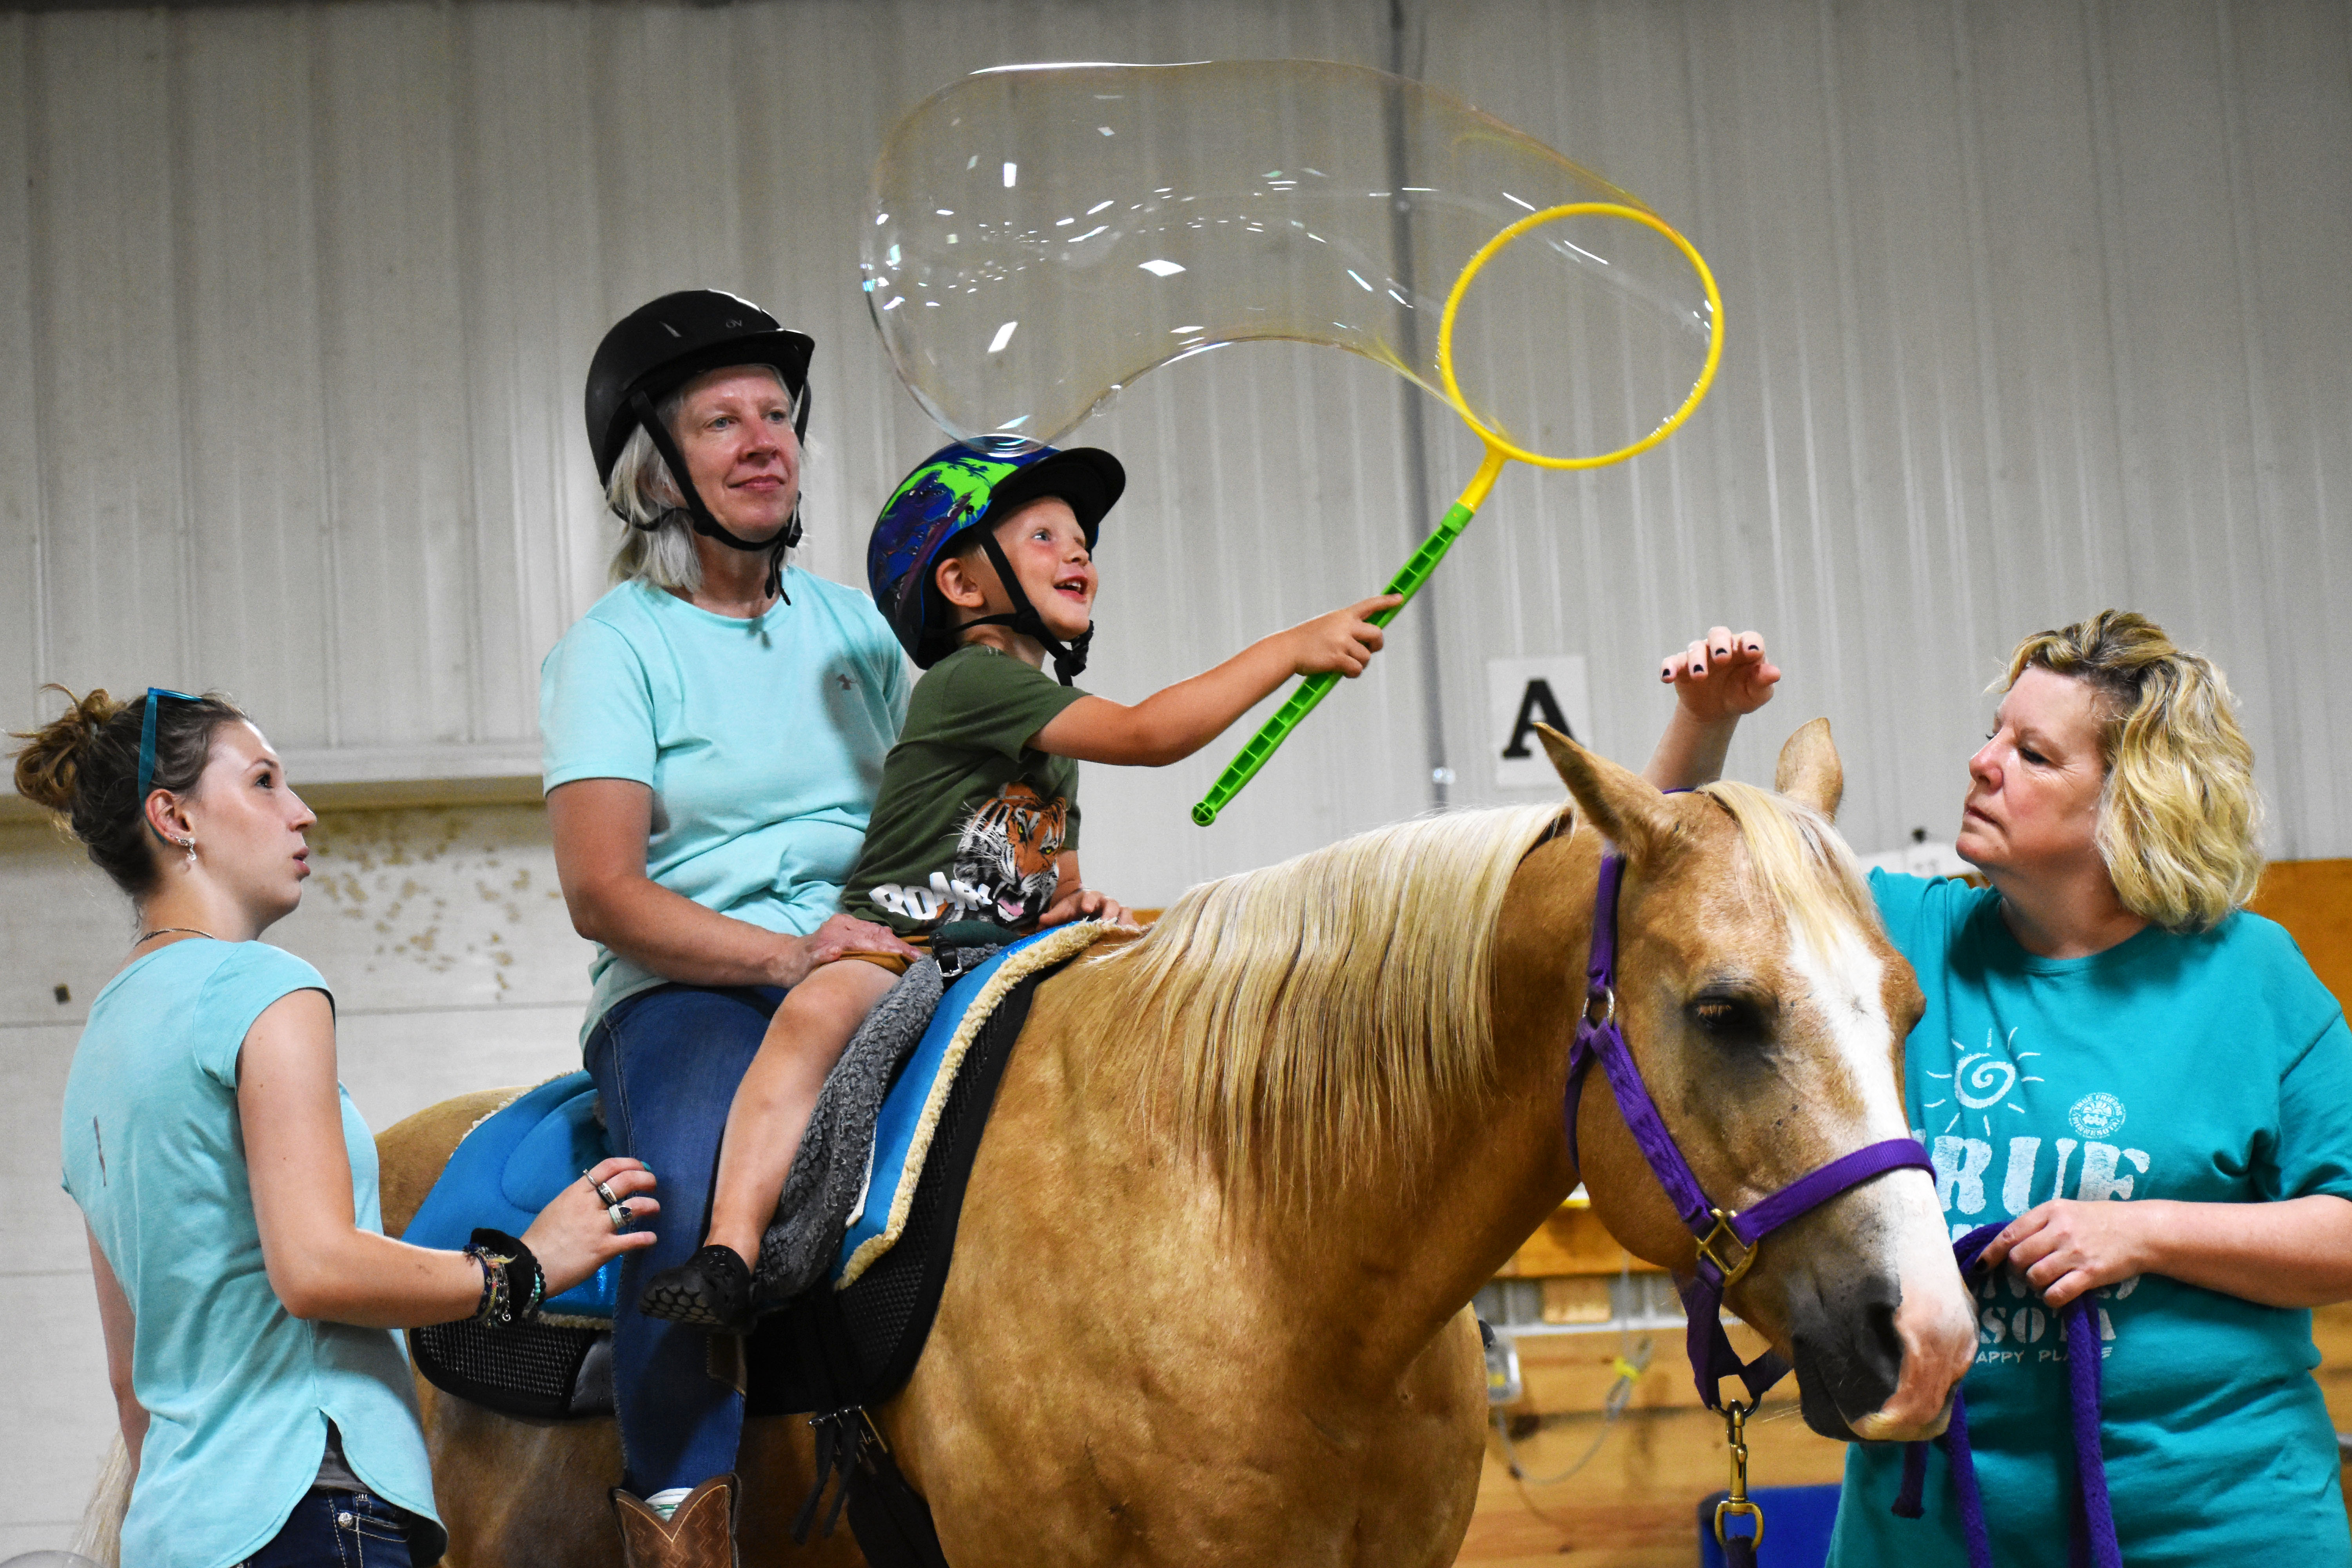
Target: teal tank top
(238, 1392)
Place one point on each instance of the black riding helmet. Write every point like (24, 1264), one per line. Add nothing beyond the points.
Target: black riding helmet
(656, 349)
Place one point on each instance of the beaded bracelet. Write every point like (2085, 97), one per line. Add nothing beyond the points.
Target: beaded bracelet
(490, 1310)
(513, 1284)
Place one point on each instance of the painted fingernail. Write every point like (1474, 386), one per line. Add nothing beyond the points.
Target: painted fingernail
(1699, 669)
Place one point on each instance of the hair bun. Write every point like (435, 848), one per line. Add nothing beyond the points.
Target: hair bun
(49, 766)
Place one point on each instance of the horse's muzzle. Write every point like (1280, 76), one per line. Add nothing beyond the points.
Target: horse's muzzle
(1876, 1362)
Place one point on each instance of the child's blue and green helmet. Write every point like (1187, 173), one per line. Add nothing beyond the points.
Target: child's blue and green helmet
(958, 488)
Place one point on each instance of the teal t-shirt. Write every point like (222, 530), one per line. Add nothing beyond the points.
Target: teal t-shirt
(762, 741)
(2206, 1068)
(237, 1391)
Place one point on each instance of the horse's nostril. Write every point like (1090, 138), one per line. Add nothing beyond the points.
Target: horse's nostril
(1885, 1341)
(1849, 1351)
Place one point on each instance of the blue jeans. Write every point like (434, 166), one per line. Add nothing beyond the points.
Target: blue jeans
(338, 1530)
(667, 1062)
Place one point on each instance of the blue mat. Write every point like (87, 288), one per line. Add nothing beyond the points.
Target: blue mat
(1797, 1525)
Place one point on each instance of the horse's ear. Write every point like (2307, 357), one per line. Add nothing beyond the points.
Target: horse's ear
(1809, 771)
(1622, 805)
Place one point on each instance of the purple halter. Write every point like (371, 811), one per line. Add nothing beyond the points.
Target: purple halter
(2092, 1542)
(1717, 1229)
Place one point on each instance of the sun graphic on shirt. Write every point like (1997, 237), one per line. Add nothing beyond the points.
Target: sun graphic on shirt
(1982, 1081)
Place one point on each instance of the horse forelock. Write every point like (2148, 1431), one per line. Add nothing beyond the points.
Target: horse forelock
(1795, 857)
(1302, 1024)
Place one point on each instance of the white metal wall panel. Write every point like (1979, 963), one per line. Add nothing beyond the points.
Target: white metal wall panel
(2031, 309)
(22, 625)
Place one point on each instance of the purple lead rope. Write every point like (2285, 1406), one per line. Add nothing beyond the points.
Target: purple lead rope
(2093, 1538)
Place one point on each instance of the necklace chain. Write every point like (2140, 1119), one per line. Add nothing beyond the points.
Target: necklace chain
(172, 931)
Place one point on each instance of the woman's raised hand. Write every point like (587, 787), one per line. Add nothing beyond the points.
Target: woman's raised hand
(575, 1235)
(1721, 676)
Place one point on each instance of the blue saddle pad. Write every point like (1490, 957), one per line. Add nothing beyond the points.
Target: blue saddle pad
(895, 1164)
(513, 1164)
(510, 1167)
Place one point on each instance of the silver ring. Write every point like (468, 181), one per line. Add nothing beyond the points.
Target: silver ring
(618, 1213)
(604, 1195)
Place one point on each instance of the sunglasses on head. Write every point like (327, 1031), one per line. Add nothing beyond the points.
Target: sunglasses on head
(155, 695)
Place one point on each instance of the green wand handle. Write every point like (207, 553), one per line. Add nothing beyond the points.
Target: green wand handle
(1312, 690)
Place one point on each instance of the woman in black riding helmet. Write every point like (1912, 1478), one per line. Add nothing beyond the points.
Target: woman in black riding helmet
(715, 728)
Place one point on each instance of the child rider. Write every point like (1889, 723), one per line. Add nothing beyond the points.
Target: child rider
(984, 566)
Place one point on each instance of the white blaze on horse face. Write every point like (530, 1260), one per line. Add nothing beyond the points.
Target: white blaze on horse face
(1933, 1319)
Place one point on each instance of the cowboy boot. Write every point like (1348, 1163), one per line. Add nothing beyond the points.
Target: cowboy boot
(700, 1535)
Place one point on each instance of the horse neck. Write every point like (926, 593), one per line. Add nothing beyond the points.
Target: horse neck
(1435, 1224)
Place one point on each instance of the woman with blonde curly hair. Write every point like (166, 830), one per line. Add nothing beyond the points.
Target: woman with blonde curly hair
(246, 1287)
(2143, 1083)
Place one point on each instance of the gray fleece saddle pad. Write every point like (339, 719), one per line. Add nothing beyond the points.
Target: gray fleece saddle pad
(855, 1340)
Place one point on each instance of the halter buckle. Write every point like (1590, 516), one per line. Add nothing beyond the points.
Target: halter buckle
(1600, 1005)
(1711, 1244)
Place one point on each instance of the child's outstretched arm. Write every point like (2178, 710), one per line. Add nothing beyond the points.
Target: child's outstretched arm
(1717, 680)
(1172, 724)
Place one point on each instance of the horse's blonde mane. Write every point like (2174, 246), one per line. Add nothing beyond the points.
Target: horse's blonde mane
(1313, 1016)
(1796, 859)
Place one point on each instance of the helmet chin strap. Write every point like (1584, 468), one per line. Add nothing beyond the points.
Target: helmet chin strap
(699, 515)
(1069, 658)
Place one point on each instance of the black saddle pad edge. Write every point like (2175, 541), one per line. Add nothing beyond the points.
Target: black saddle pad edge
(787, 1371)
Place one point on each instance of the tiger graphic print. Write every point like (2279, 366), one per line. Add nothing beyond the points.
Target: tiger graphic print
(1003, 870)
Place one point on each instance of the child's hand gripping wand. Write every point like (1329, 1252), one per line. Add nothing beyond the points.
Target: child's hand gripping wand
(1417, 570)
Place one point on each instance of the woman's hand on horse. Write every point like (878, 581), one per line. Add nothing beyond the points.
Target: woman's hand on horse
(574, 1237)
(1723, 675)
(841, 934)
(2065, 1247)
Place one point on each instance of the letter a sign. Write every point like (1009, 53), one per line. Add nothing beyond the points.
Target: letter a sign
(1522, 693)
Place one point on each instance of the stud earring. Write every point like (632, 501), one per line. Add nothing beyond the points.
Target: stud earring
(190, 846)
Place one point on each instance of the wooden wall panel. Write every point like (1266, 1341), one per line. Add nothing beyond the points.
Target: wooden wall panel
(2313, 898)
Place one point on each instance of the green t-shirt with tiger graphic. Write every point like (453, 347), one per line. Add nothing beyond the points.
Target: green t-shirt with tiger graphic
(968, 819)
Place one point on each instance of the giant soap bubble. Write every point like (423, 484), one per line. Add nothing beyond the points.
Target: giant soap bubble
(1043, 235)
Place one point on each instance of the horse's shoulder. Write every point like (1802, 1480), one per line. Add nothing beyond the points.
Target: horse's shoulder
(411, 1151)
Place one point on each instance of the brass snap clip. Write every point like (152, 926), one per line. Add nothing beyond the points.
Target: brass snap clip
(1736, 1503)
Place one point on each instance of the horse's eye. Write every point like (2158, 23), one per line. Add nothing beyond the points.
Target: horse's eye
(1732, 1019)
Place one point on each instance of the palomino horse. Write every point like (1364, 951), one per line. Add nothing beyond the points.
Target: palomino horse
(1209, 1300)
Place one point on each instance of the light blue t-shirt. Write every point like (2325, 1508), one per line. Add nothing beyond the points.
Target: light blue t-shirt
(762, 741)
(237, 1391)
(2206, 1068)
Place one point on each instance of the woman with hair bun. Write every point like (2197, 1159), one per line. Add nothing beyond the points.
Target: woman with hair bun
(245, 1284)
(2141, 1082)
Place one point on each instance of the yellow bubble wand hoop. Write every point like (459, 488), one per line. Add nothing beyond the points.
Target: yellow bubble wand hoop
(1416, 570)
